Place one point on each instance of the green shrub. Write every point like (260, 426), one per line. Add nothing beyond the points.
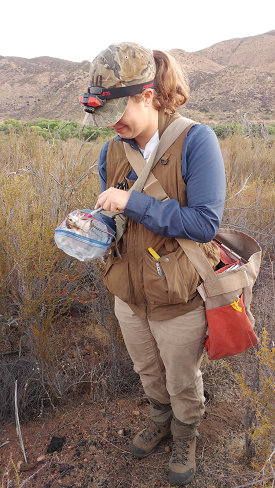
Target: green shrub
(51, 129)
(271, 129)
(244, 128)
(10, 124)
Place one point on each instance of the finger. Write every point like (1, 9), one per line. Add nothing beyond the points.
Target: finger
(101, 200)
(106, 203)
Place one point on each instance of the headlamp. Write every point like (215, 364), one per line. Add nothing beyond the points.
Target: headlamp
(91, 101)
(97, 95)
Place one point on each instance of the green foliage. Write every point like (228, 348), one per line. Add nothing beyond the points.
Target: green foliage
(244, 129)
(224, 130)
(51, 129)
(271, 129)
(10, 124)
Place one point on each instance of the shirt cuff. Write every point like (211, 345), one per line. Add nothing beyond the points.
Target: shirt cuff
(137, 206)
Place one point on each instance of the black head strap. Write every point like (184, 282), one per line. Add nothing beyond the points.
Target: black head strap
(119, 92)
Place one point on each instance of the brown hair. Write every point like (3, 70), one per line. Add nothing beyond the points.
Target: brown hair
(172, 89)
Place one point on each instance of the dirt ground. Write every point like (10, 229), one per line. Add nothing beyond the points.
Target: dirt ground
(95, 435)
(95, 438)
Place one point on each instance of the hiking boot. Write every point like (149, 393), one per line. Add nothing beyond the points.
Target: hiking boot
(146, 441)
(182, 464)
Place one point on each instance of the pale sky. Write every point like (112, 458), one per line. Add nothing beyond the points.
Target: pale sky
(79, 30)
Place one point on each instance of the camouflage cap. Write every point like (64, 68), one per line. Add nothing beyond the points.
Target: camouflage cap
(119, 65)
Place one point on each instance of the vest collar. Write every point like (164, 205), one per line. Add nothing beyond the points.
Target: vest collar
(165, 119)
(132, 142)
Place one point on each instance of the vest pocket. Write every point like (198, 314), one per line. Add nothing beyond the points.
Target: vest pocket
(117, 278)
(179, 280)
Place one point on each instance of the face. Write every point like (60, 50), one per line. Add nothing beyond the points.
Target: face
(139, 121)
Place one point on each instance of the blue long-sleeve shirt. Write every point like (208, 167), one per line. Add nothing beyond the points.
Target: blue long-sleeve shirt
(203, 172)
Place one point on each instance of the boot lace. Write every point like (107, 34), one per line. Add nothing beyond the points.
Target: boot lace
(180, 451)
(150, 432)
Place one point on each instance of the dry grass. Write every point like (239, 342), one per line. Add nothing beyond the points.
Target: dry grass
(40, 184)
(40, 286)
(250, 167)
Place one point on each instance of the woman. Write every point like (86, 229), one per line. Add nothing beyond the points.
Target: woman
(137, 92)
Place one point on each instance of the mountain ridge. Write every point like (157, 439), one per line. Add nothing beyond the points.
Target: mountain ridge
(226, 79)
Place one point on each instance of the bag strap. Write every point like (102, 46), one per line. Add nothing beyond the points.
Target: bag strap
(213, 284)
(168, 137)
(143, 169)
(152, 186)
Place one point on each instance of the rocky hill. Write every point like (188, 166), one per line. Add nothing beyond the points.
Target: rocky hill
(41, 87)
(256, 52)
(226, 80)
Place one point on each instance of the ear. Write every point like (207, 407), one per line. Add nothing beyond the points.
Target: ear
(148, 96)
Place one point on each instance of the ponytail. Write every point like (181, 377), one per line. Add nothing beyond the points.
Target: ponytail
(172, 88)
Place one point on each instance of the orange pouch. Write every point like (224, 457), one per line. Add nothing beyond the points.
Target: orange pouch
(227, 292)
(230, 330)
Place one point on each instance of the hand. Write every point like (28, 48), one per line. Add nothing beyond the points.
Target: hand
(113, 200)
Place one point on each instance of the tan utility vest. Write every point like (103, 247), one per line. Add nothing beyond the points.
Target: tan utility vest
(134, 278)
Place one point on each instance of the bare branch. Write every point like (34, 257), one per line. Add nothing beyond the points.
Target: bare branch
(4, 443)
(30, 477)
(18, 423)
(243, 188)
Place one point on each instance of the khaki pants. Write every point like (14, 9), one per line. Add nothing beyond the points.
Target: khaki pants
(167, 356)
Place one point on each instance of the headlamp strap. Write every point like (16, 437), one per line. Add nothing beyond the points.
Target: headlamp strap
(121, 91)
(97, 95)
